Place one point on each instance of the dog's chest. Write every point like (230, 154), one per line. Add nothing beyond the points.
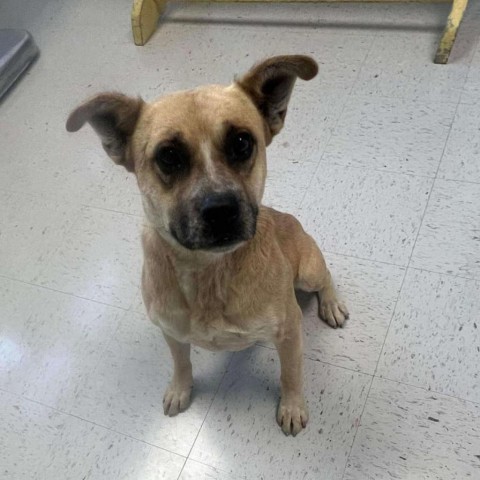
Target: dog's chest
(218, 333)
(223, 335)
(208, 313)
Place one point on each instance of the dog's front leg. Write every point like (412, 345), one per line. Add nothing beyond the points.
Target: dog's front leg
(292, 414)
(177, 396)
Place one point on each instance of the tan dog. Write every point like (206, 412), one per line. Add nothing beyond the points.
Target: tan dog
(220, 269)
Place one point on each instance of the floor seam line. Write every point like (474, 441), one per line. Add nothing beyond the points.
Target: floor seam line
(99, 425)
(416, 239)
(392, 317)
(50, 289)
(358, 428)
(208, 411)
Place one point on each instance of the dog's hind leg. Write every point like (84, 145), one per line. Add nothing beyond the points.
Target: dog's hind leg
(314, 276)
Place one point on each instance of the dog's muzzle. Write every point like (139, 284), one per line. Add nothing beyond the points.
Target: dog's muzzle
(218, 221)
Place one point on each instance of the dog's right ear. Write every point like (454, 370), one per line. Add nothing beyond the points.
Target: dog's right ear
(270, 83)
(113, 116)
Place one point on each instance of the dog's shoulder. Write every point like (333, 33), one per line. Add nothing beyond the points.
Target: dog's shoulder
(283, 223)
(286, 231)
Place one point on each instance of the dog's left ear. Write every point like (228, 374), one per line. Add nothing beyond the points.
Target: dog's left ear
(270, 84)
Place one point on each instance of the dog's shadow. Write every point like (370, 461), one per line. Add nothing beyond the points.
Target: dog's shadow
(306, 300)
(247, 367)
(243, 373)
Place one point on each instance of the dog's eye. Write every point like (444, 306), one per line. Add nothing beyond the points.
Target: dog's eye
(240, 146)
(170, 160)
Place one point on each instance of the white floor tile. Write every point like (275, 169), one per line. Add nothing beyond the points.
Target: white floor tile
(471, 89)
(461, 160)
(175, 59)
(288, 180)
(59, 165)
(117, 190)
(85, 450)
(100, 258)
(363, 213)
(339, 57)
(65, 67)
(31, 229)
(28, 434)
(401, 65)
(309, 124)
(40, 155)
(388, 134)
(434, 338)
(50, 342)
(126, 390)
(408, 433)
(110, 13)
(449, 239)
(137, 304)
(40, 17)
(37, 443)
(198, 471)
(240, 434)
(370, 291)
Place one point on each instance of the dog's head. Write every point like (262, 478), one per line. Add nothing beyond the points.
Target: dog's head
(199, 155)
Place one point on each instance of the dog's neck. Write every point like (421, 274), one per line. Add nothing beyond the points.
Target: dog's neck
(197, 272)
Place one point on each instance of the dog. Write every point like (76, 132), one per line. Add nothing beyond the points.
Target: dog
(220, 269)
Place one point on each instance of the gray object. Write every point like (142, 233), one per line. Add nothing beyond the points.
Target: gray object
(17, 52)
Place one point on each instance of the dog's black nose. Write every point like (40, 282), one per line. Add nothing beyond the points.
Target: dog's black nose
(220, 211)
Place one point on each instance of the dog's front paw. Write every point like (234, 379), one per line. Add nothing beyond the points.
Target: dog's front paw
(333, 312)
(176, 400)
(292, 415)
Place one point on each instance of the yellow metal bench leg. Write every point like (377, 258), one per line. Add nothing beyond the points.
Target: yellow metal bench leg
(145, 15)
(450, 32)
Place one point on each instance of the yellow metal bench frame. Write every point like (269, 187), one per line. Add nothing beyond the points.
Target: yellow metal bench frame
(146, 14)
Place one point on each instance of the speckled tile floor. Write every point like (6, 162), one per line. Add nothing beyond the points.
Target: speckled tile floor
(379, 159)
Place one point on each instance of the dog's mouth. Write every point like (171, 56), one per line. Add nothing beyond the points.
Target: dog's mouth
(221, 228)
(223, 243)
